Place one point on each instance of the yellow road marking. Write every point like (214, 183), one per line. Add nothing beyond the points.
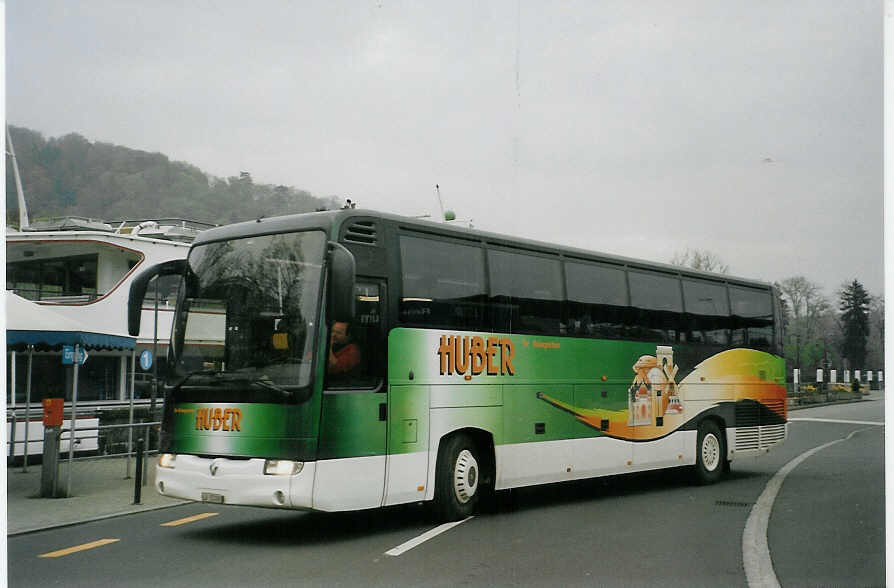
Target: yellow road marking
(191, 519)
(77, 548)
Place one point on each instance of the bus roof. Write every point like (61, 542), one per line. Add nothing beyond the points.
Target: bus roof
(331, 220)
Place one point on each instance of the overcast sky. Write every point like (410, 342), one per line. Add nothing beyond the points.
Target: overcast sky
(752, 129)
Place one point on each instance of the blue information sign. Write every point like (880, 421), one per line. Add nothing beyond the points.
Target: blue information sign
(146, 359)
(68, 355)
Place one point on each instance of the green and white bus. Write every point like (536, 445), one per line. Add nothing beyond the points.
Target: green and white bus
(351, 359)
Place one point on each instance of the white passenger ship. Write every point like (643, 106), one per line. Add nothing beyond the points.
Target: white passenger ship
(82, 268)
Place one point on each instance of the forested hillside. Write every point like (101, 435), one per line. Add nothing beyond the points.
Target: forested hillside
(71, 176)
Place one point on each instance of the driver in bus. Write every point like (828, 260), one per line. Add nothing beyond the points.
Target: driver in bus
(344, 354)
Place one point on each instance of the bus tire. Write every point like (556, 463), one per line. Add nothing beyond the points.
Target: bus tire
(710, 453)
(457, 482)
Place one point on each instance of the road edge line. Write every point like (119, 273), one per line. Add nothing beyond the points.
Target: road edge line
(79, 548)
(755, 549)
(190, 519)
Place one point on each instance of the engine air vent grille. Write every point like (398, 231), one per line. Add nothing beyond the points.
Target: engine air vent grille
(363, 232)
(752, 438)
(747, 438)
(777, 406)
(772, 434)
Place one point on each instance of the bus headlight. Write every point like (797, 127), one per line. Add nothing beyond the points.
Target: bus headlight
(166, 460)
(282, 467)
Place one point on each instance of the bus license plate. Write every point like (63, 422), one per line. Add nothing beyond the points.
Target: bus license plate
(212, 497)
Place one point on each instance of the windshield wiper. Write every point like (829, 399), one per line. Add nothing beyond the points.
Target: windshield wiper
(263, 382)
(195, 373)
(267, 384)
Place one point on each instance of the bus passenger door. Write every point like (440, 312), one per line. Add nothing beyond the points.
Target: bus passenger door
(353, 428)
(408, 409)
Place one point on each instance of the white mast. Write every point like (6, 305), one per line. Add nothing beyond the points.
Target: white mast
(23, 210)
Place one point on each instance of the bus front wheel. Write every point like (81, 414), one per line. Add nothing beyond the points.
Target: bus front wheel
(710, 453)
(457, 484)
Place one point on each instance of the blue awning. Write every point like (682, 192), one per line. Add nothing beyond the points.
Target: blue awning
(56, 339)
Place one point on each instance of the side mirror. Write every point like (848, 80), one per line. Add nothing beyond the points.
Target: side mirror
(342, 275)
(138, 290)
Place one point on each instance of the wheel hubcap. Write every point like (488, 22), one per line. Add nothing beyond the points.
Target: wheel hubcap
(710, 452)
(465, 476)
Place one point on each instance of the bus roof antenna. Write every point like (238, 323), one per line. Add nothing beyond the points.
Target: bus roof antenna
(446, 215)
(24, 223)
(440, 202)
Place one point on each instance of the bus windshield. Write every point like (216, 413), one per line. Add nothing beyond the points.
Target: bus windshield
(246, 321)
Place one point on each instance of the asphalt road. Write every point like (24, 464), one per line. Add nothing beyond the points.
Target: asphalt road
(826, 528)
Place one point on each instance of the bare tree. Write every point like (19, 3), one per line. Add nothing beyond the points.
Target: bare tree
(811, 331)
(700, 259)
(805, 298)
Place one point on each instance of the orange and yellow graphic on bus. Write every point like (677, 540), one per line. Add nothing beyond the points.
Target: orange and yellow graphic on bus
(657, 403)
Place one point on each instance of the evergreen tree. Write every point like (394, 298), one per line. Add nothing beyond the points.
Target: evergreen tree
(854, 306)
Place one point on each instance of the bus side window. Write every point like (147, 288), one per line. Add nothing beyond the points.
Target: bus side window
(656, 306)
(597, 300)
(707, 311)
(752, 311)
(526, 292)
(443, 284)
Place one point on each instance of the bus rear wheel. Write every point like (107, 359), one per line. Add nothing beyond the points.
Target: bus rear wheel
(458, 479)
(710, 453)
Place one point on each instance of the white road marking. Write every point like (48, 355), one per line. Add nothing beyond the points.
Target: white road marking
(755, 550)
(407, 546)
(840, 421)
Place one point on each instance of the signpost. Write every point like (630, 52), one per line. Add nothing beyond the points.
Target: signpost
(133, 377)
(53, 412)
(74, 356)
(154, 352)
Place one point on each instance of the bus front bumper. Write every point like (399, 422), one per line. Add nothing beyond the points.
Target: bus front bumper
(235, 481)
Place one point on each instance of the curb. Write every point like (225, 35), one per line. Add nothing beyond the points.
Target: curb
(96, 518)
(833, 403)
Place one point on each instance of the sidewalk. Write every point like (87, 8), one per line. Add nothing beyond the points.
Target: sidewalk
(99, 490)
